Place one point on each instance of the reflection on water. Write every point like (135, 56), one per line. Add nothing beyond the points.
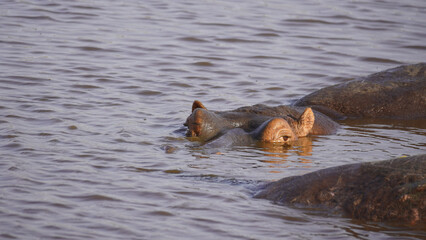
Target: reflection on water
(279, 154)
(92, 92)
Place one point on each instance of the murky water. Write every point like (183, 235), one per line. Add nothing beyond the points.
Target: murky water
(93, 95)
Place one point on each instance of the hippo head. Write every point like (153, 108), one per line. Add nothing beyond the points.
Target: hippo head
(281, 131)
(203, 123)
(206, 125)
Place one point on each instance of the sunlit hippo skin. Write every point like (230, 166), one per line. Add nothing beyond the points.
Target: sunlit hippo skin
(395, 93)
(398, 93)
(391, 190)
(274, 130)
(206, 125)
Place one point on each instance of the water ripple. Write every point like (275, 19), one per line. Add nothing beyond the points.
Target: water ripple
(93, 96)
(312, 21)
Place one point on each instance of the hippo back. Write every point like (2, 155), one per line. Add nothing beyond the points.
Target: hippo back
(391, 190)
(395, 93)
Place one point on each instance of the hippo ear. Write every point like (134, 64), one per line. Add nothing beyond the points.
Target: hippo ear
(305, 122)
(197, 104)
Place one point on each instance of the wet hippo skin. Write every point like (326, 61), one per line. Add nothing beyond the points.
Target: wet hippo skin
(391, 190)
(274, 130)
(398, 93)
(206, 124)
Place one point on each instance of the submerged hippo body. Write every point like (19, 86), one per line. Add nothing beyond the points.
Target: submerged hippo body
(398, 93)
(207, 125)
(395, 93)
(391, 190)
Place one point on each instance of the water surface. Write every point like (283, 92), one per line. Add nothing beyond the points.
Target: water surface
(93, 95)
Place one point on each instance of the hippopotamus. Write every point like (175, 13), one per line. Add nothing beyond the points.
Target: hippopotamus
(390, 190)
(282, 124)
(394, 93)
(274, 130)
(398, 93)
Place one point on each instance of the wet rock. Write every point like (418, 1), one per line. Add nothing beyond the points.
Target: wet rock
(391, 190)
(398, 93)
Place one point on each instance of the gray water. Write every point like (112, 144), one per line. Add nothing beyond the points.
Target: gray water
(93, 95)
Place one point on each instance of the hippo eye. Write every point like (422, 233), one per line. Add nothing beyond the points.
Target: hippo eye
(285, 138)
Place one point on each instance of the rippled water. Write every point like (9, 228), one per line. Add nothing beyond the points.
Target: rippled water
(93, 95)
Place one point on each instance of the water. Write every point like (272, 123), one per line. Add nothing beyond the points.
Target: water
(93, 95)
